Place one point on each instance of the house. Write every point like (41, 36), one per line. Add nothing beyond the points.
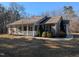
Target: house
(30, 26)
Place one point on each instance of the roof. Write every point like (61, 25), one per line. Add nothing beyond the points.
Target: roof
(35, 19)
(26, 21)
(53, 20)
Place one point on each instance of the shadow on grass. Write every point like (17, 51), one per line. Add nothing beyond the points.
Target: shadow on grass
(38, 48)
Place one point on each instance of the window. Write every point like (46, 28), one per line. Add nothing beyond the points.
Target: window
(47, 28)
(35, 28)
(25, 28)
(20, 28)
(30, 28)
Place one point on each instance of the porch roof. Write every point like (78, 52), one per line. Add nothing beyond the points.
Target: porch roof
(53, 20)
(35, 20)
(28, 21)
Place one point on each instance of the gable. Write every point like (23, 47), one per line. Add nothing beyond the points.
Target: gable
(53, 20)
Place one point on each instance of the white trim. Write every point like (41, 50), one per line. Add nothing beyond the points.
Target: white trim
(27, 30)
(33, 30)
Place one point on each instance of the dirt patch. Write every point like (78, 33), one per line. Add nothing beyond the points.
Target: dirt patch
(51, 46)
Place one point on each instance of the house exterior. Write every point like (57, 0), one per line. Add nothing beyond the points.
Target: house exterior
(30, 26)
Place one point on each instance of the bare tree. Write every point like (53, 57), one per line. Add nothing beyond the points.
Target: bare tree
(45, 13)
(52, 13)
(17, 10)
(2, 18)
(13, 13)
(69, 12)
(72, 16)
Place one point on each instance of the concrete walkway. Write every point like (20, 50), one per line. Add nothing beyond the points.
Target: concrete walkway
(53, 39)
(42, 38)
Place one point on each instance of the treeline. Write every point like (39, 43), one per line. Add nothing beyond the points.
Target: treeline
(10, 14)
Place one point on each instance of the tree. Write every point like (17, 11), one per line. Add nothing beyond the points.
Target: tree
(2, 17)
(52, 13)
(73, 19)
(16, 10)
(74, 26)
(69, 12)
(13, 13)
(45, 13)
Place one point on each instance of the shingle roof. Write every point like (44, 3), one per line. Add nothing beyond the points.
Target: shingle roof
(33, 20)
(53, 20)
(26, 21)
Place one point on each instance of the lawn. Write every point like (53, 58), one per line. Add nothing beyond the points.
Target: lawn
(11, 46)
(38, 48)
(6, 36)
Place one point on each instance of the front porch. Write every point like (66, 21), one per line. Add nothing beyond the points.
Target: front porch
(28, 30)
(31, 30)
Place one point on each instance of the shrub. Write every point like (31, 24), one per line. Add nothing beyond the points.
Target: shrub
(39, 33)
(62, 34)
(49, 34)
(44, 34)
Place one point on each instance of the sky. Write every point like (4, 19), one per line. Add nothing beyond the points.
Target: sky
(36, 8)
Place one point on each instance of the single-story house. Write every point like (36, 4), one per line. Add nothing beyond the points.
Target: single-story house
(30, 26)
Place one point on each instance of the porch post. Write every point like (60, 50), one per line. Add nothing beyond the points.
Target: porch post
(16, 29)
(33, 30)
(27, 29)
(67, 31)
(22, 27)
